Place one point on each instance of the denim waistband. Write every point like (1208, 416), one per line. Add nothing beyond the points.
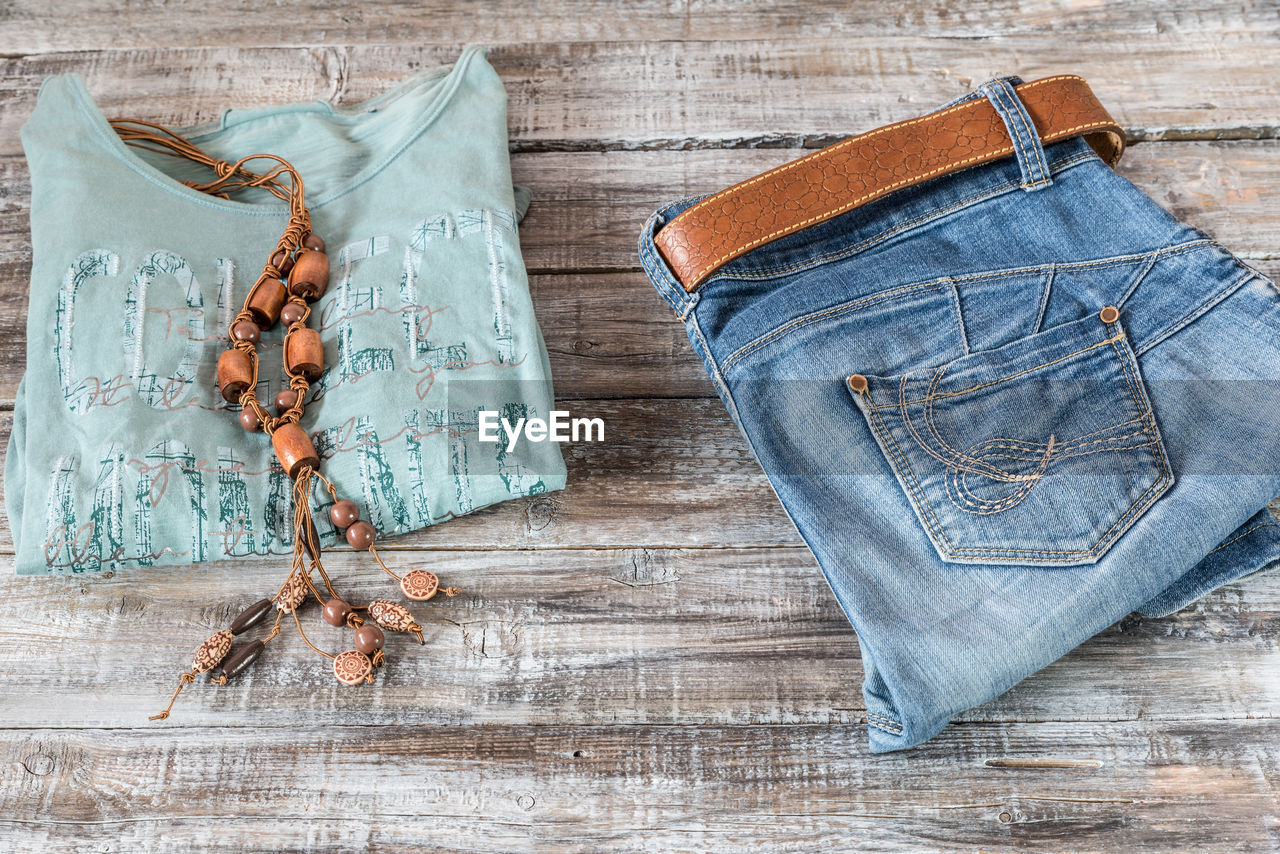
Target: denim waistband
(859, 229)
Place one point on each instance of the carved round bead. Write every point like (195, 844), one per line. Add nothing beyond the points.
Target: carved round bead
(393, 616)
(314, 241)
(246, 330)
(249, 420)
(419, 585)
(303, 353)
(292, 313)
(266, 301)
(283, 262)
(292, 594)
(310, 274)
(369, 639)
(336, 612)
(235, 374)
(353, 667)
(285, 400)
(210, 653)
(344, 513)
(361, 535)
(294, 449)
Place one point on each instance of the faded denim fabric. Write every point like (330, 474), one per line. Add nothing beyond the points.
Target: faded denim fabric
(988, 466)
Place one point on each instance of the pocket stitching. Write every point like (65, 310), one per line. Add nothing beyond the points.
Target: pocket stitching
(916, 495)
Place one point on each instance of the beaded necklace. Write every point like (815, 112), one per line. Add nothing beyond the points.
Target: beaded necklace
(296, 274)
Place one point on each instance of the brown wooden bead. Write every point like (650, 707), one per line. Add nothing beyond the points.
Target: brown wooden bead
(361, 535)
(303, 353)
(294, 449)
(249, 420)
(211, 652)
(246, 330)
(237, 663)
(250, 616)
(292, 594)
(353, 667)
(369, 639)
(235, 374)
(344, 513)
(310, 274)
(336, 612)
(265, 304)
(285, 400)
(314, 241)
(283, 262)
(292, 313)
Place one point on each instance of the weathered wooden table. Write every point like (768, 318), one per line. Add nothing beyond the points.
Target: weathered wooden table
(649, 659)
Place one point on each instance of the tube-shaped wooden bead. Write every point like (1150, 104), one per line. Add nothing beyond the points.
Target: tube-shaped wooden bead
(310, 274)
(238, 662)
(303, 353)
(294, 449)
(265, 303)
(235, 374)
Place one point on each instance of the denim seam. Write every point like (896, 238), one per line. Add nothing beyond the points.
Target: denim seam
(1017, 119)
(1138, 279)
(862, 302)
(990, 192)
(1034, 142)
(924, 508)
(886, 724)
(1199, 311)
(656, 267)
(1242, 536)
(716, 376)
(998, 380)
(871, 299)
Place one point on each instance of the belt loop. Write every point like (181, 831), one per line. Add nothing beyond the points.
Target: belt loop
(1026, 141)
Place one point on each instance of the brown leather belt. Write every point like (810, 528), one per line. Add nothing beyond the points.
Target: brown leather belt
(862, 168)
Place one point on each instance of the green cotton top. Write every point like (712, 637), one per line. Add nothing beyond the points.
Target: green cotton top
(124, 453)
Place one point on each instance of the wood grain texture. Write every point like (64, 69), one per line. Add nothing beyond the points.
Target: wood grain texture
(582, 637)
(26, 27)
(696, 94)
(649, 660)
(1207, 785)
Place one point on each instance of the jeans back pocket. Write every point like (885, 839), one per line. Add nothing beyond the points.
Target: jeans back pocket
(1043, 451)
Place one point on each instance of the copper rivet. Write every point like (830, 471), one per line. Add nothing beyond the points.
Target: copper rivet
(858, 383)
(1109, 314)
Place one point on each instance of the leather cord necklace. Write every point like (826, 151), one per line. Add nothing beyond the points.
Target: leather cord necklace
(296, 274)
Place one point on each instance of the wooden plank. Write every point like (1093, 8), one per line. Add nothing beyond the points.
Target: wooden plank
(608, 333)
(26, 27)
(1179, 786)
(600, 636)
(697, 94)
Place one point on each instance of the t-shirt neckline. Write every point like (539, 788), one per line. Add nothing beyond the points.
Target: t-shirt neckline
(450, 78)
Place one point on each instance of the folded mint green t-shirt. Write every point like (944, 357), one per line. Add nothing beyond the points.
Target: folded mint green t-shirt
(124, 453)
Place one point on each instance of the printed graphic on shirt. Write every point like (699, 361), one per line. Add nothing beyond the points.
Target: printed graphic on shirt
(160, 497)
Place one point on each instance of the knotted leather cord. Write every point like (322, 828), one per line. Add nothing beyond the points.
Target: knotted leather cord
(284, 182)
(232, 177)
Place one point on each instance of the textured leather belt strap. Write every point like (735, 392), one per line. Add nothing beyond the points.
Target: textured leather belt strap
(863, 168)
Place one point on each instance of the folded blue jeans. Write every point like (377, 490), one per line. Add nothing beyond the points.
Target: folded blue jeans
(1003, 415)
